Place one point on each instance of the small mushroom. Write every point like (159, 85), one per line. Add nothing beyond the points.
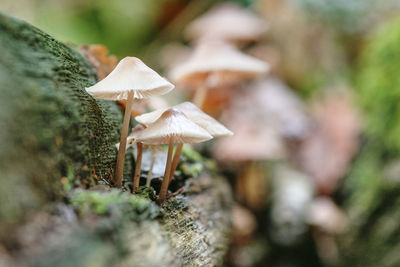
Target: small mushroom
(228, 22)
(139, 145)
(130, 79)
(324, 214)
(172, 127)
(192, 112)
(215, 64)
(150, 173)
(154, 158)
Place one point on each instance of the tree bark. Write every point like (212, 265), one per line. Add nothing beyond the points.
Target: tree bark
(55, 140)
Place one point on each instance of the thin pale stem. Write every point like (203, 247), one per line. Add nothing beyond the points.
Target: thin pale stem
(165, 182)
(175, 161)
(119, 169)
(136, 176)
(150, 173)
(200, 96)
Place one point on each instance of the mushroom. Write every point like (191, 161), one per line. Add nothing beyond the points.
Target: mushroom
(155, 161)
(192, 112)
(273, 98)
(228, 22)
(215, 64)
(131, 141)
(172, 127)
(139, 145)
(150, 173)
(324, 214)
(130, 79)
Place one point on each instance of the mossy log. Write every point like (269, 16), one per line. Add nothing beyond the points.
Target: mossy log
(56, 141)
(120, 229)
(50, 127)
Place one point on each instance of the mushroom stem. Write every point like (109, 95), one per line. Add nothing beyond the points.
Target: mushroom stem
(150, 173)
(175, 161)
(119, 169)
(136, 177)
(200, 96)
(165, 182)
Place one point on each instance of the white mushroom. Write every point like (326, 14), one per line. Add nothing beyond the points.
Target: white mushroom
(172, 127)
(130, 79)
(228, 22)
(192, 112)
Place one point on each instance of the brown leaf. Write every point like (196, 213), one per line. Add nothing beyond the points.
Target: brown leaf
(98, 56)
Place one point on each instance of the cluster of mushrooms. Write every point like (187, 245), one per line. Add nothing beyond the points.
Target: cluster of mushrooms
(184, 123)
(216, 62)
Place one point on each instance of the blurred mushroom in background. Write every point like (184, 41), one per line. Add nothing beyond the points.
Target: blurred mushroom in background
(267, 53)
(326, 154)
(328, 221)
(325, 215)
(244, 225)
(278, 101)
(255, 140)
(214, 64)
(227, 22)
(292, 193)
(263, 115)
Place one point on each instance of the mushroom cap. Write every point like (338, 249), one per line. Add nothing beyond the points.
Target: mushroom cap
(275, 99)
(130, 140)
(228, 22)
(215, 63)
(250, 142)
(326, 215)
(131, 137)
(172, 124)
(131, 74)
(193, 113)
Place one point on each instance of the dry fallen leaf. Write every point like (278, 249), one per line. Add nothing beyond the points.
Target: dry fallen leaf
(252, 186)
(98, 56)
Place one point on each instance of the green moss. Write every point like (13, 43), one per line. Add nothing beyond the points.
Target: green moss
(378, 88)
(131, 207)
(191, 169)
(191, 165)
(378, 84)
(146, 192)
(175, 204)
(191, 155)
(373, 201)
(51, 128)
